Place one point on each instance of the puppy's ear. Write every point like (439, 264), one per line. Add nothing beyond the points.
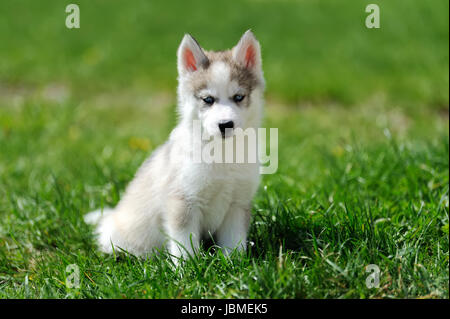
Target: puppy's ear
(190, 56)
(248, 52)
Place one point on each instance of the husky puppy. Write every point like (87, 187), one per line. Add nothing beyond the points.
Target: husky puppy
(174, 201)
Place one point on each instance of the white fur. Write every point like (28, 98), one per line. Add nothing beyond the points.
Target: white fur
(172, 202)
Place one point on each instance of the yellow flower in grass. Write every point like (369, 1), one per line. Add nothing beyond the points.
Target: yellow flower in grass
(139, 143)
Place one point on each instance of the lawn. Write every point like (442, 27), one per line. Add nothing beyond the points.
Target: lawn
(363, 120)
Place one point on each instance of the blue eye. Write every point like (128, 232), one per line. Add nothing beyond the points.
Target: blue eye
(238, 98)
(209, 100)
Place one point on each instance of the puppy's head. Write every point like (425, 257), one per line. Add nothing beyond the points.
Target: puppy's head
(221, 89)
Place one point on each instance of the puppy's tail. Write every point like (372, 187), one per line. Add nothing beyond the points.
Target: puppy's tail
(94, 217)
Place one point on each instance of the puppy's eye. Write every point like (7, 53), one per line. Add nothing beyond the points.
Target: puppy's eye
(238, 98)
(209, 100)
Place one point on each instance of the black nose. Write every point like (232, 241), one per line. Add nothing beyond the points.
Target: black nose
(225, 125)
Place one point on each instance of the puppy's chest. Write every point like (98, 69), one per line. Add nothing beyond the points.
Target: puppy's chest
(215, 188)
(206, 182)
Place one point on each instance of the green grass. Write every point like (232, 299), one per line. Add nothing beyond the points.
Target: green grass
(313, 50)
(363, 147)
(346, 195)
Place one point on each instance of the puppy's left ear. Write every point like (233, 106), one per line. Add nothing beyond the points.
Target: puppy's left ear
(248, 52)
(190, 56)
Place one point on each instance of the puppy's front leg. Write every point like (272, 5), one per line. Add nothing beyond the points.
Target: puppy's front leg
(233, 231)
(183, 228)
